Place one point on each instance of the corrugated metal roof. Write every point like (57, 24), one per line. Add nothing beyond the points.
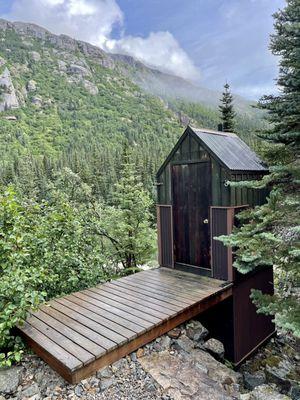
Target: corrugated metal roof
(230, 150)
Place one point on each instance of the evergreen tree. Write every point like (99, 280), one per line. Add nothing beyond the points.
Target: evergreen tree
(271, 236)
(127, 223)
(226, 109)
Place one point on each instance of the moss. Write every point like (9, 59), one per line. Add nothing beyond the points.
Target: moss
(271, 361)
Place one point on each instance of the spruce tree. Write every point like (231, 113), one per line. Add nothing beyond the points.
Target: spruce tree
(127, 222)
(270, 235)
(226, 109)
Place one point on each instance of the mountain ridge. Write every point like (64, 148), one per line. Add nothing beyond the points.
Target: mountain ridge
(151, 79)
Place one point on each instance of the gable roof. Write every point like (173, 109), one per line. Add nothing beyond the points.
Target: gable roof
(226, 147)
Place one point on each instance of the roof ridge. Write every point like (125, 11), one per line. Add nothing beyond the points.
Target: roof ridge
(213, 132)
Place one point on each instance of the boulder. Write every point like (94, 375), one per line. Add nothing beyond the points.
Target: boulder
(78, 70)
(31, 86)
(90, 87)
(8, 97)
(196, 331)
(266, 392)
(251, 380)
(215, 347)
(10, 379)
(37, 101)
(35, 56)
(30, 391)
(181, 379)
(183, 344)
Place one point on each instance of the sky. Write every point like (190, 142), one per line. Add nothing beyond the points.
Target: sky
(205, 41)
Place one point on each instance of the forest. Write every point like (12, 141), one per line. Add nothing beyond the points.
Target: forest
(77, 178)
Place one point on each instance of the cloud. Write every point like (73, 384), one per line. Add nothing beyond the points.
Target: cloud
(94, 22)
(160, 50)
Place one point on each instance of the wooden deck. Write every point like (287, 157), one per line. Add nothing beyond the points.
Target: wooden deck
(82, 332)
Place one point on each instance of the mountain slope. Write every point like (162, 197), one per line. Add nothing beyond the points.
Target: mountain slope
(75, 106)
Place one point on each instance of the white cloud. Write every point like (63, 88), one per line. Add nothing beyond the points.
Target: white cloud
(160, 50)
(94, 21)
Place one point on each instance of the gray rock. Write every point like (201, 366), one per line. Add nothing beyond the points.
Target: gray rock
(31, 86)
(31, 390)
(266, 392)
(215, 347)
(252, 380)
(78, 390)
(162, 343)
(78, 70)
(106, 383)
(35, 56)
(9, 379)
(294, 391)
(8, 97)
(90, 87)
(183, 344)
(37, 101)
(104, 373)
(196, 331)
(2, 61)
(62, 65)
(279, 373)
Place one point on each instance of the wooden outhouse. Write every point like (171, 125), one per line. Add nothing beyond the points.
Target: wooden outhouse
(195, 205)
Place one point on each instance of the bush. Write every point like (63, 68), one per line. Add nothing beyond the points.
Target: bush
(46, 250)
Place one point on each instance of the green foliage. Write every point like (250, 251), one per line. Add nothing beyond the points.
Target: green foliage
(46, 250)
(127, 223)
(270, 235)
(226, 109)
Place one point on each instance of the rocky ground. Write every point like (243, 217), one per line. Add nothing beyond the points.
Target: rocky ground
(181, 365)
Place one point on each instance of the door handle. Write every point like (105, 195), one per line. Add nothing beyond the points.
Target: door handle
(205, 221)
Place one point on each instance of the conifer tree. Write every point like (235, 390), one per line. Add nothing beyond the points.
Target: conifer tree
(226, 109)
(127, 223)
(271, 237)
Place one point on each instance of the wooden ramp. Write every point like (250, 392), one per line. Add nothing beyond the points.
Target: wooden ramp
(82, 332)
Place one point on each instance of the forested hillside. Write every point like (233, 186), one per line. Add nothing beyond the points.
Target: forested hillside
(77, 107)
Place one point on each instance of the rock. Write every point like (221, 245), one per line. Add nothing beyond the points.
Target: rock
(37, 101)
(162, 343)
(78, 70)
(196, 331)
(62, 66)
(266, 392)
(9, 379)
(183, 344)
(106, 383)
(133, 357)
(2, 61)
(140, 352)
(215, 347)
(10, 118)
(252, 380)
(279, 373)
(174, 333)
(104, 373)
(90, 87)
(78, 390)
(181, 380)
(31, 390)
(31, 86)
(35, 55)
(294, 391)
(8, 97)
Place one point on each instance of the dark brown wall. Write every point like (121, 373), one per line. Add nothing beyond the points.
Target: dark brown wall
(250, 328)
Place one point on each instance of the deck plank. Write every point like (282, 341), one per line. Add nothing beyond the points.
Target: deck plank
(51, 347)
(114, 310)
(105, 291)
(132, 295)
(189, 293)
(53, 318)
(86, 330)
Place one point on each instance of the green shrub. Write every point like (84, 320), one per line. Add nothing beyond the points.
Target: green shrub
(46, 250)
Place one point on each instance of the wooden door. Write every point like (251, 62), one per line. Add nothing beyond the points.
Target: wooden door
(191, 186)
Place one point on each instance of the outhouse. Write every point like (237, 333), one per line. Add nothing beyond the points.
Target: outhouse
(195, 205)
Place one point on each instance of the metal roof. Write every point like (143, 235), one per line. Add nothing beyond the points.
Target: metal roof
(230, 150)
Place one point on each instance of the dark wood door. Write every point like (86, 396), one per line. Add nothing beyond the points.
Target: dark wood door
(191, 185)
